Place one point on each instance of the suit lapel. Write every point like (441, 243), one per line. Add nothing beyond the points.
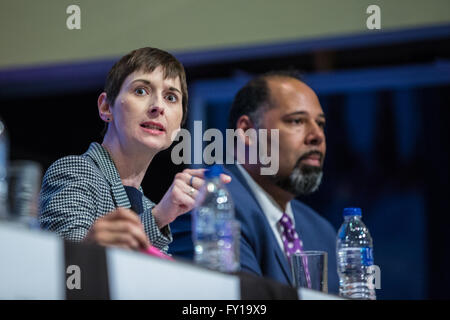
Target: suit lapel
(120, 196)
(282, 260)
(279, 254)
(235, 171)
(106, 165)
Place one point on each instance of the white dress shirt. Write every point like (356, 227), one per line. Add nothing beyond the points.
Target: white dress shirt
(270, 207)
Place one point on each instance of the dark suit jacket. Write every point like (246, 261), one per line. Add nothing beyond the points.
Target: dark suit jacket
(260, 252)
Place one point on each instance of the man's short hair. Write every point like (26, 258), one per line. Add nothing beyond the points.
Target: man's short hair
(255, 95)
(147, 60)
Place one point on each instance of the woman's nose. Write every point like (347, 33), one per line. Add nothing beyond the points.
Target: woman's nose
(156, 110)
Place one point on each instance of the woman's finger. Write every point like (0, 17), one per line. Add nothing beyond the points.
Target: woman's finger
(195, 182)
(186, 181)
(127, 227)
(200, 173)
(196, 172)
(119, 239)
(121, 213)
(184, 197)
(225, 178)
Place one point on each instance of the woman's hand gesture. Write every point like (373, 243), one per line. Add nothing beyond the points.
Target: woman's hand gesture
(180, 198)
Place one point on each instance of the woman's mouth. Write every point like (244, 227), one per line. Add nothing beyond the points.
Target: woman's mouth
(152, 127)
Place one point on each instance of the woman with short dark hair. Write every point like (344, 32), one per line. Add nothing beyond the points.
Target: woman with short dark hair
(97, 196)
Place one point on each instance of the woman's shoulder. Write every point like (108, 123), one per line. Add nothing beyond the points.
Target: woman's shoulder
(78, 165)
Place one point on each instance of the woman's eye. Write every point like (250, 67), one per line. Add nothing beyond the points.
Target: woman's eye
(140, 91)
(172, 98)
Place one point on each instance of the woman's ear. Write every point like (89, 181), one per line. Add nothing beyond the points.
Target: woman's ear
(104, 110)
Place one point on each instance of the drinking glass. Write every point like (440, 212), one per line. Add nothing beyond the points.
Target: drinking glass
(310, 270)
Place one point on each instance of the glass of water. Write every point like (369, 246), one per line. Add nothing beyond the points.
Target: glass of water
(310, 270)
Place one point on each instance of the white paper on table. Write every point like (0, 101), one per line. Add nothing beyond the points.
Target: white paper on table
(31, 264)
(137, 276)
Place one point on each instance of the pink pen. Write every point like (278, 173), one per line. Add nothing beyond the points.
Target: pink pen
(152, 251)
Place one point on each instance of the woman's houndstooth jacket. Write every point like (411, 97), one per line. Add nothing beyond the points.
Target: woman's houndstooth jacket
(77, 190)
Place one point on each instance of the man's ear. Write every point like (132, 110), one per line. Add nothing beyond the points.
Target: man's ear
(104, 110)
(244, 123)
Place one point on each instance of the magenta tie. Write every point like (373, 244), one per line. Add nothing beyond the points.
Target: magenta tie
(292, 242)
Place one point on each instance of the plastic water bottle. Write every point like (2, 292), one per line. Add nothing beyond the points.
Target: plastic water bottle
(354, 257)
(24, 184)
(4, 156)
(215, 231)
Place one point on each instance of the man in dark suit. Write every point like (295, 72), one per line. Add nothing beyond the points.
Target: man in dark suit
(274, 224)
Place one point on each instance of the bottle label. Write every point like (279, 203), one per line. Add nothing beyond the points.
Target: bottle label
(367, 256)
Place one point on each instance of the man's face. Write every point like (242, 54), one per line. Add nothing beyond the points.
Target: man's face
(147, 110)
(296, 112)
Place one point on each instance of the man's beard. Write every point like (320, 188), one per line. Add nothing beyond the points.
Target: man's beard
(303, 180)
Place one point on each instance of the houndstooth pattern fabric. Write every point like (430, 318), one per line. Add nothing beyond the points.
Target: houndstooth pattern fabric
(77, 190)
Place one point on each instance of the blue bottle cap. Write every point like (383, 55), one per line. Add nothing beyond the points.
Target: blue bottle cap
(213, 171)
(352, 212)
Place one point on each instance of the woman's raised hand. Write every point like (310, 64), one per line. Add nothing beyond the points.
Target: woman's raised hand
(180, 198)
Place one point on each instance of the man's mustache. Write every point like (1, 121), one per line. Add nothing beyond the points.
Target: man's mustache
(309, 153)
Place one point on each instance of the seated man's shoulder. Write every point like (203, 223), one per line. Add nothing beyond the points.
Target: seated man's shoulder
(310, 215)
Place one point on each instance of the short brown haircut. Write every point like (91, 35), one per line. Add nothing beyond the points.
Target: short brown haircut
(147, 60)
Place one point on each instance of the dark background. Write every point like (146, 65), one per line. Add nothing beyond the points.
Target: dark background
(387, 148)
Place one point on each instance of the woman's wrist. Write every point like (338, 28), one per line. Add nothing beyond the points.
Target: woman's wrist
(160, 218)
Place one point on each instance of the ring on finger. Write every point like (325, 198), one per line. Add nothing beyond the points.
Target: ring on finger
(190, 181)
(191, 192)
